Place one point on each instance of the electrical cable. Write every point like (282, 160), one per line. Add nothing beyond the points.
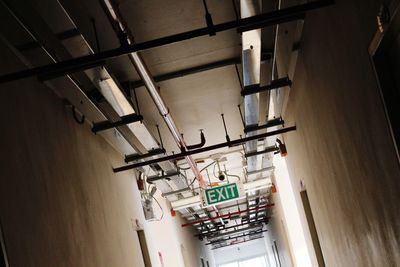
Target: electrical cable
(162, 210)
(214, 171)
(214, 162)
(204, 168)
(192, 182)
(232, 175)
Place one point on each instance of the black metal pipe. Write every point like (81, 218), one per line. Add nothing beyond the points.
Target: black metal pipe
(254, 22)
(207, 233)
(228, 139)
(153, 152)
(275, 84)
(199, 145)
(267, 150)
(270, 123)
(241, 116)
(205, 149)
(159, 135)
(287, 18)
(105, 125)
(249, 228)
(167, 176)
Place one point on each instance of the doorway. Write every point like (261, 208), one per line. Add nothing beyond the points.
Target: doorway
(385, 54)
(313, 230)
(3, 258)
(143, 247)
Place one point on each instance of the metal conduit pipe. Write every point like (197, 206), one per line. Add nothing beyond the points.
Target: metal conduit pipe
(152, 88)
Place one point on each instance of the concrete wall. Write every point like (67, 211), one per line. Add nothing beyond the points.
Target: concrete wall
(60, 202)
(277, 231)
(342, 149)
(177, 245)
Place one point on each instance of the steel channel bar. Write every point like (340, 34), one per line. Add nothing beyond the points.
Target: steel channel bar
(254, 22)
(275, 84)
(152, 179)
(154, 152)
(105, 125)
(233, 206)
(228, 215)
(256, 153)
(218, 235)
(270, 123)
(204, 149)
(208, 233)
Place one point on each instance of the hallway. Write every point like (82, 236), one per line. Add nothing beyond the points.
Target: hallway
(200, 133)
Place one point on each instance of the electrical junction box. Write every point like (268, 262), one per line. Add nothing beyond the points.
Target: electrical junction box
(148, 209)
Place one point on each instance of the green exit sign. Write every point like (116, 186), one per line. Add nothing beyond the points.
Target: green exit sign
(221, 194)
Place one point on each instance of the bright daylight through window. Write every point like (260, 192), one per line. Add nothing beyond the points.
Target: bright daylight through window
(253, 262)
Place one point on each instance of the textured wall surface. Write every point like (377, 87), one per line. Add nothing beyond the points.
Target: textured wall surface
(342, 148)
(60, 202)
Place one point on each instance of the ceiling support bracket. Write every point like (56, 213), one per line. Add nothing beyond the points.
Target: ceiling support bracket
(105, 125)
(167, 176)
(136, 157)
(270, 123)
(267, 150)
(275, 84)
(232, 143)
(199, 145)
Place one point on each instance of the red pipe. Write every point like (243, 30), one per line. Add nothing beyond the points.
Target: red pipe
(228, 215)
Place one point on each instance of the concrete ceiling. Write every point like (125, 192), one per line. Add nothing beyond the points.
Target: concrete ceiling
(196, 101)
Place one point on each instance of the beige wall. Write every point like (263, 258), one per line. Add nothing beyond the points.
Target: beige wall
(60, 202)
(178, 246)
(342, 148)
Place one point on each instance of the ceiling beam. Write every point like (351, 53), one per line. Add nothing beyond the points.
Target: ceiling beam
(254, 22)
(266, 54)
(204, 149)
